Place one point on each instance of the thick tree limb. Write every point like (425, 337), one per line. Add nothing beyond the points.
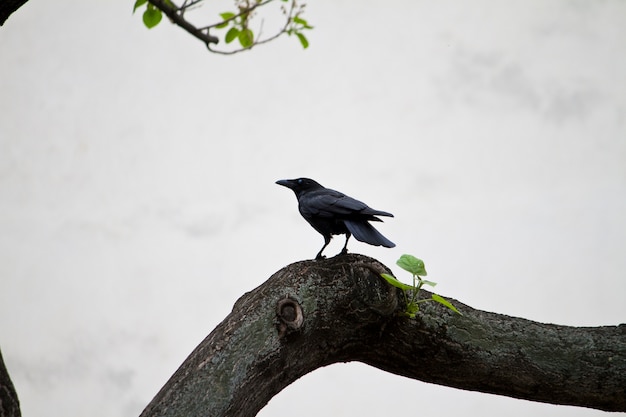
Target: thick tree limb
(9, 404)
(179, 19)
(7, 7)
(314, 313)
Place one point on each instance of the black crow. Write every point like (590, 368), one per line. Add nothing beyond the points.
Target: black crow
(333, 213)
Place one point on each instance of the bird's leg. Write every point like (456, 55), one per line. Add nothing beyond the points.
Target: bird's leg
(319, 254)
(345, 247)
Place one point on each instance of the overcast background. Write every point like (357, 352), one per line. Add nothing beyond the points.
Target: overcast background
(137, 195)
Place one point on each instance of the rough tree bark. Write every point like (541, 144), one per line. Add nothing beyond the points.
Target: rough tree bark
(315, 313)
(9, 404)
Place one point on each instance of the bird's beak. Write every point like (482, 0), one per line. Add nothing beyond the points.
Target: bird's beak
(286, 183)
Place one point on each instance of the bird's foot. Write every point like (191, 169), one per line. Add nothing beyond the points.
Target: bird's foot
(344, 251)
(320, 257)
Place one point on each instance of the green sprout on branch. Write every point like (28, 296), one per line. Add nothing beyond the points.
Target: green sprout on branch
(416, 267)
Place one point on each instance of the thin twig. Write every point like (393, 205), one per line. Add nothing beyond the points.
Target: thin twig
(271, 38)
(244, 11)
(186, 6)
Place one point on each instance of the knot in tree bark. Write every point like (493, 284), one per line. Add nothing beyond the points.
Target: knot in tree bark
(290, 316)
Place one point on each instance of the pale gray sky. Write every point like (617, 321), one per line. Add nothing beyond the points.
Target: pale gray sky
(137, 195)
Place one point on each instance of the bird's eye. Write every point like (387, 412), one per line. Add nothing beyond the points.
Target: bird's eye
(300, 181)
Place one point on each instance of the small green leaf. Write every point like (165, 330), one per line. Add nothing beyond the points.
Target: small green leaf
(393, 281)
(151, 17)
(303, 40)
(232, 34)
(227, 15)
(412, 264)
(138, 4)
(445, 302)
(302, 22)
(246, 38)
(426, 282)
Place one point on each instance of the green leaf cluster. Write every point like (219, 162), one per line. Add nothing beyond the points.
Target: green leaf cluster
(416, 267)
(296, 26)
(151, 16)
(238, 28)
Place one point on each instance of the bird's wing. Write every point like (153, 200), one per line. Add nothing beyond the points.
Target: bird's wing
(330, 203)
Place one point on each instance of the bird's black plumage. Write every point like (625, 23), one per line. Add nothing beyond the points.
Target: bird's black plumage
(333, 213)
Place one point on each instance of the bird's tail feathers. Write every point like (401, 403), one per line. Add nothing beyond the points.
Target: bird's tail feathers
(373, 212)
(365, 232)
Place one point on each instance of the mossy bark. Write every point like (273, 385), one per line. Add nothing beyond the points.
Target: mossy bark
(9, 403)
(315, 313)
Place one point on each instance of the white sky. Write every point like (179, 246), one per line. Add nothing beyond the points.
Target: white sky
(137, 195)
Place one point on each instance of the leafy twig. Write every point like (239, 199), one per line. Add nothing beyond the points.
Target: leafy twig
(237, 22)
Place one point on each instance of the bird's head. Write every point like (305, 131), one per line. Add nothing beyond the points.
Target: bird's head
(300, 185)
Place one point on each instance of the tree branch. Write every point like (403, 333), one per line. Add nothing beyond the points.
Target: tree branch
(179, 20)
(315, 313)
(7, 7)
(282, 31)
(9, 404)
